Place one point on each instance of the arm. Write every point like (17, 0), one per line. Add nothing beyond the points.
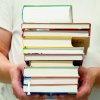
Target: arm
(89, 78)
(5, 65)
(97, 79)
(10, 73)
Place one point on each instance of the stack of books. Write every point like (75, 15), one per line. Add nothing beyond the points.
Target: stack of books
(54, 48)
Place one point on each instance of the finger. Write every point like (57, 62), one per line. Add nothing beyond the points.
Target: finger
(32, 97)
(35, 97)
(21, 67)
(65, 97)
(17, 90)
(85, 86)
(55, 96)
(82, 71)
(17, 85)
(83, 76)
(61, 97)
(84, 91)
(45, 96)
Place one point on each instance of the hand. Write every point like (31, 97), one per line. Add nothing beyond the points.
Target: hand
(16, 75)
(86, 83)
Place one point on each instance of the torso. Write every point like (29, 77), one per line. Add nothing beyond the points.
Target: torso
(83, 11)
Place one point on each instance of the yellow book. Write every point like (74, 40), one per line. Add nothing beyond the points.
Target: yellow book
(48, 37)
(56, 42)
(51, 63)
(47, 42)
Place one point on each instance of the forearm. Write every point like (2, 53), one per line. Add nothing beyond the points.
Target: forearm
(97, 79)
(5, 67)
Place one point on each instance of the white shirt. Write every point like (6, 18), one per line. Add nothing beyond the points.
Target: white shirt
(83, 11)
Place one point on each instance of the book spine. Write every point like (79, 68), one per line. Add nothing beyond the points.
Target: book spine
(49, 84)
(51, 77)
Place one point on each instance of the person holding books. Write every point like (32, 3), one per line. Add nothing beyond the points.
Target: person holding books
(11, 55)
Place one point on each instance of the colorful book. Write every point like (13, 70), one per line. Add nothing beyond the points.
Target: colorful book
(54, 48)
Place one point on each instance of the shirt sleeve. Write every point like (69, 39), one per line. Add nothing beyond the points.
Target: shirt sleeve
(92, 59)
(6, 15)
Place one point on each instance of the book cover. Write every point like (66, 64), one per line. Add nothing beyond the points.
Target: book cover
(47, 13)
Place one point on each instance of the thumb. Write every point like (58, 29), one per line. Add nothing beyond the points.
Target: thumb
(21, 67)
(82, 70)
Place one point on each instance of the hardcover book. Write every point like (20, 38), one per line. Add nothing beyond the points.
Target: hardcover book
(54, 48)
(51, 71)
(56, 89)
(47, 13)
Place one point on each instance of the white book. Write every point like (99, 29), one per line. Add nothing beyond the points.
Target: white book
(73, 50)
(51, 71)
(38, 81)
(47, 13)
(72, 26)
(55, 33)
(52, 89)
(47, 42)
(51, 63)
(30, 57)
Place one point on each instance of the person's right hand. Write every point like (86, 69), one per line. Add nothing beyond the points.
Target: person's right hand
(16, 73)
(87, 82)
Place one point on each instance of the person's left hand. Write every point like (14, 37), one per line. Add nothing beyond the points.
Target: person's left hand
(86, 83)
(16, 72)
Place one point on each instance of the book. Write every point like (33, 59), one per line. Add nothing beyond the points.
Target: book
(47, 42)
(55, 32)
(51, 72)
(54, 63)
(59, 89)
(55, 26)
(81, 42)
(51, 63)
(48, 81)
(54, 48)
(57, 42)
(47, 13)
(70, 50)
(30, 57)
